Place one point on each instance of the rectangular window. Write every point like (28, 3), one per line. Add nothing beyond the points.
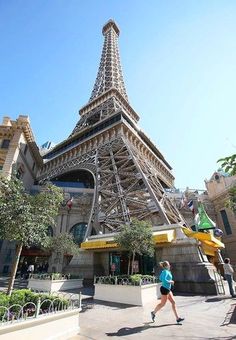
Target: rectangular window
(1, 167)
(25, 149)
(226, 222)
(5, 143)
(33, 166)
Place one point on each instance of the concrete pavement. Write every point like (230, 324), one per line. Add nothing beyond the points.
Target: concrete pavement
(205, 318)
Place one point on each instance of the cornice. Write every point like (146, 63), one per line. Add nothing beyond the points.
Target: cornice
(113, 92)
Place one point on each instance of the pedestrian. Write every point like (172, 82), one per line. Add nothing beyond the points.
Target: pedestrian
(166, 293)
(46, 267)
(30, 269)
(23, 270)
(228, 271)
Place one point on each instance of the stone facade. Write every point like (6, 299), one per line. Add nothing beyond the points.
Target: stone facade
(218, 191)
(19, 153)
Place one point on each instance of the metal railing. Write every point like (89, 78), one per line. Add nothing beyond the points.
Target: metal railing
(44, 307)
(53, 276)
(126, 280)
(219, 283)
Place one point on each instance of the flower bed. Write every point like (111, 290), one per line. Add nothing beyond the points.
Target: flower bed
(133, 280)
(23, 303)
(53, 282)
(26, 312)
(134, 290)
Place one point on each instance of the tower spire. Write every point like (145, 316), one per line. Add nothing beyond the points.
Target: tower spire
(109, 93)
(109, 72)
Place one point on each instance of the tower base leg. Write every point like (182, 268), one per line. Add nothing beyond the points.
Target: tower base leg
(191, 270)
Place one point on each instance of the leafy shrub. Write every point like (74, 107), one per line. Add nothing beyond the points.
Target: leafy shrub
(60, 303)
(56, 276)
(4, 300)
(52, 301)
(135, 279)
(31, 297)
(128, 279)
(24, 296)
(18, 297)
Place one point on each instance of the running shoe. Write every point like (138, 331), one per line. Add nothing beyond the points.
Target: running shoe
(153, 316)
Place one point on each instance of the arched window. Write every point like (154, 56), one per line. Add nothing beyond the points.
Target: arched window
(75, 179)
(78, 231)
(50, 231)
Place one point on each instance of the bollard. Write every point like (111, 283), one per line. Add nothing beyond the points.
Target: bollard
(38, 307)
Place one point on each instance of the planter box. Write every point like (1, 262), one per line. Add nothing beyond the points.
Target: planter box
(54, 285)
(61, 325)
(127, 294)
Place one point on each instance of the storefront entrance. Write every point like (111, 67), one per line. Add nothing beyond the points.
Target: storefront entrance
(119, 264)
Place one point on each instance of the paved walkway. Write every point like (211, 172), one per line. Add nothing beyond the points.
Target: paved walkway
(206, 317)
(212, 318)
(18, 284)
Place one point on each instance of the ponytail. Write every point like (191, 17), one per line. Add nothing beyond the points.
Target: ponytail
(164, 264)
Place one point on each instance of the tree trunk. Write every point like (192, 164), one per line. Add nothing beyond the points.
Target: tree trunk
(132, 269)
(129, 265)
(14, 268)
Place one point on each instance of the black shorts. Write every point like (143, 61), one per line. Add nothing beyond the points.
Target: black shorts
(164, 291)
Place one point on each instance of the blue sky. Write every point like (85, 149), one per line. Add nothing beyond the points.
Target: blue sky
(178, 60)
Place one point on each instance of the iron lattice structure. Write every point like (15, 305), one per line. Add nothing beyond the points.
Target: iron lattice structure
(130, 173)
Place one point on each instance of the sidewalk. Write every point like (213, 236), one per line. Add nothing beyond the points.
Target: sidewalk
(205, 318)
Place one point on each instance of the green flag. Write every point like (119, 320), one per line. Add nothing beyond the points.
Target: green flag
(204, 221)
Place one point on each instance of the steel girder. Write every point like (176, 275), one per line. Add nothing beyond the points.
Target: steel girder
(127, 186)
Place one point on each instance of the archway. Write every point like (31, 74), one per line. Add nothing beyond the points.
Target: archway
(78, 231)
(79, 178)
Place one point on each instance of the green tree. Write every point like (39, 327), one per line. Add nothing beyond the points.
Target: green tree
(63, 244)
(25, 218)
(231, 202)
(229, 165)
(136, 238)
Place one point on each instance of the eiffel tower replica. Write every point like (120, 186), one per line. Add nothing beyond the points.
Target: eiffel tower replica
(130, 173)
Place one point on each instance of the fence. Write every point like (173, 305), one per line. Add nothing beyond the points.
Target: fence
(52, 276)
(30, 310)
(135, 280)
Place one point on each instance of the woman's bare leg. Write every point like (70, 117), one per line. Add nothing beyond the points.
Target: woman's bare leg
(161, 304)
(173, 304)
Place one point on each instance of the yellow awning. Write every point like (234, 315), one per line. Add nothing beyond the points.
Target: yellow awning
(99, 244)
(206, 238)
(163, 236)
(208, 250)
(158, 237)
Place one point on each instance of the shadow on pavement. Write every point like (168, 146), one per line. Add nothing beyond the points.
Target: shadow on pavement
(134, 330)
(223, 338)
(230, 317)
(90, 303)
(219, 298)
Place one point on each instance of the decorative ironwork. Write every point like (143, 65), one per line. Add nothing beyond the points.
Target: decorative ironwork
(30, 310)
(130, 173)
(125, 280)
(127, 185)
(109, 73)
